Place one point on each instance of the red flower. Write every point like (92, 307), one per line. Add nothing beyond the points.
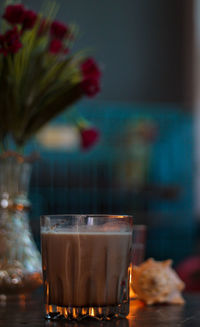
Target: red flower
(189, 271)
(14, 14)
(59, 30)
(90, 69)
(30, 18)
(90, 86)
(56, 46)
(89, 137)
(10, 42)
(91, 75)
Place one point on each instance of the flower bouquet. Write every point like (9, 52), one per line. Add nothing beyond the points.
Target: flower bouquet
(40, 77)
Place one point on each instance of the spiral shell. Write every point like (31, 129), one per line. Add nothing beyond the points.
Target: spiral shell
(156, 282)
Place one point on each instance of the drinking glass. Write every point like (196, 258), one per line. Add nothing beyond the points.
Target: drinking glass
(85, 261)
(138, 253)
(139, 244)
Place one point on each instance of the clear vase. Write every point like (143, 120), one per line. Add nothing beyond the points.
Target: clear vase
(20, 261)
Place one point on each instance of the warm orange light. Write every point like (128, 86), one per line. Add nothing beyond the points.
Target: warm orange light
(50, 308)
(84, 311)
(36, 278)
(91, 312)
(59, 309)
(75, 314)
(134, 306)
(19, 207)
(47, 295)
(65, 312)
(47, 308)
(130, 271)
(132, 294)
(22, 301)
(131, 291)
(100, 311)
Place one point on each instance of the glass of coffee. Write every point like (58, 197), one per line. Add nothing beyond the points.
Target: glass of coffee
(85, 260)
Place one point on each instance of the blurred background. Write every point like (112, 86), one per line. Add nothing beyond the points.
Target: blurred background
(147, 161)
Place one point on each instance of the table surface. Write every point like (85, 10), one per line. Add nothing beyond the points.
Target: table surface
(30, 312)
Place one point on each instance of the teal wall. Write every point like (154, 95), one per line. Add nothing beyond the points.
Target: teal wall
(139, 44)
(77, 182)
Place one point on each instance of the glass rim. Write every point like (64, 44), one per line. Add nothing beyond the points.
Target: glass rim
(111, 216)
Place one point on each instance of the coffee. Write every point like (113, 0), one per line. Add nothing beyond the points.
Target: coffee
(84, 269)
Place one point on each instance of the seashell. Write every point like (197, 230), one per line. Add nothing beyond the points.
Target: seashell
(156, 282)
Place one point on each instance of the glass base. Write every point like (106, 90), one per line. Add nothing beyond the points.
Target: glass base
(54, 312)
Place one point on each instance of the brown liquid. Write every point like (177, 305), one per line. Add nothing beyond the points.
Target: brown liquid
(86, 269)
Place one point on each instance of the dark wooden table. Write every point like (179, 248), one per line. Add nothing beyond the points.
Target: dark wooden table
(29, 312)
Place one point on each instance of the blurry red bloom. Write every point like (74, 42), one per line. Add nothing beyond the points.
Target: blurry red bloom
(59, 30)
(14, 14)
(89, 68)
(90, 86)
(56, 46)
(91, 75)
(30, 18)
(10, 42)
(89, 137)
(189, 272)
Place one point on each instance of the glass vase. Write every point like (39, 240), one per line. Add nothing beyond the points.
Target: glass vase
(20, 261)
